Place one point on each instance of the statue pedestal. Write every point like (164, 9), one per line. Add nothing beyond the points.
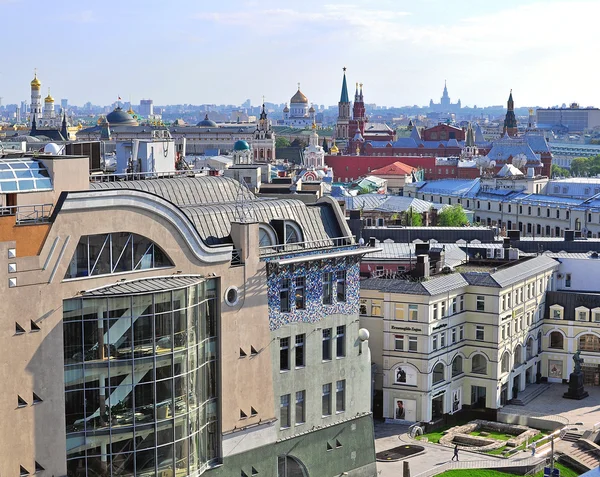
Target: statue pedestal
(576, 390)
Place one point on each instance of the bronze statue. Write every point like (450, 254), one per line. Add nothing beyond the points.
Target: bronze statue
(578, 360)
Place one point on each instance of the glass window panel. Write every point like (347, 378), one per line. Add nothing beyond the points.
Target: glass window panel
(99, 254)
(145, 461)
(164, 399)
(73, 342)
(179, 299)
(74, 411)
(180, 328)
(142, 253)
(118, 338)
(194, 460)
(123, 464)
(164, 329)
(181, 453)
(144, 403)
(165, 462)
(211, 318)
(118, 307)
(43, 184)
(142, 305)
(26, 184)
(90, 341)
(8, 186)
(164, 367)
(162, 302)
(164, 433)
(23, 174)
(122, 252)
(143, 337)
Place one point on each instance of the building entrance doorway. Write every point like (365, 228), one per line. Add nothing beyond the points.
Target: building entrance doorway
(437, 407)
(529, 375)
(290, 467)
(477, 397)
(504, 394)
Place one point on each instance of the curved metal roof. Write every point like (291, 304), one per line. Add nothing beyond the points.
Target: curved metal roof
(183, 191)
(145, 285)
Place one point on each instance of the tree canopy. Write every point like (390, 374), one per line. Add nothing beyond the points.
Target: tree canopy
(452, 217)
(585, 166)
(282, 142)
(558, 171)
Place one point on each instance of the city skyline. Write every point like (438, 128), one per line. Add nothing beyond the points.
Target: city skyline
(224, 54)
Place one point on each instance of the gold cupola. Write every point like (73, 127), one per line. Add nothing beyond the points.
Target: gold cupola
(35, 82)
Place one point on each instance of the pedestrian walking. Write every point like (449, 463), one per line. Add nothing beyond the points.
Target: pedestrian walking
(455, 452)
(532, 449)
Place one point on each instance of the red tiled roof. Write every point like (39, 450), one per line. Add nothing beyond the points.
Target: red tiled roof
(397, 168)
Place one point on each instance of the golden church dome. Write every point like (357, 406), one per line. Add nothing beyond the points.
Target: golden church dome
(334, 149)
(299, 98)
(35, 82)
(49, 99)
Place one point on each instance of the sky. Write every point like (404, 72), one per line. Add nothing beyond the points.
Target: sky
(198, 52)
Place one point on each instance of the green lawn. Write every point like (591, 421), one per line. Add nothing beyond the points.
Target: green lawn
(493, 435)
(433, 437)
(564, 472)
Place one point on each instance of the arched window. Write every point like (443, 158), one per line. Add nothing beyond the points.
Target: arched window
(556, 340)
(529, 349)
(577, 224)
(293, 234)
(266, 236)
(518, 355)
(288, 466)
(589, 343)
(479, 364)
(539, 342)
(438, 373)
(505, 365)
(457, 366)
(117, 252)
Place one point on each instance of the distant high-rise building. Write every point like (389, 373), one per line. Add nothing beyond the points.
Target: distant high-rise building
(445, 105)
(64, 104)
(146, 107)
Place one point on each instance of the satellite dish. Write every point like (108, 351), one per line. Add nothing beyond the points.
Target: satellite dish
(519, 161)
(492, 164)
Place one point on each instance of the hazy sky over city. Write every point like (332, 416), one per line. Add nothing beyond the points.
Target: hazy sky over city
(190, 51)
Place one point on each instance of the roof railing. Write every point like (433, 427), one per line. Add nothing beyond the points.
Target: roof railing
(28, 214)
(331, 242)
(136, 176)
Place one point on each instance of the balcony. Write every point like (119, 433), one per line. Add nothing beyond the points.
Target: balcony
(312, 246)
(28, 214)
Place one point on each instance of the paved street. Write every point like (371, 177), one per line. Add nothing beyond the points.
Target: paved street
(551, 402)
(388, 436)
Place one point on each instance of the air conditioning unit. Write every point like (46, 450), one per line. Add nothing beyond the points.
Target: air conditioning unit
(560, 275)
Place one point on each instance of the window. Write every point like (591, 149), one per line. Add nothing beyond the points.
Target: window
(266, 236)
(556, 312)
(461, 332)
(327, 344)
(505, 364)
(479, 333)
(453, 306)
(558, 213)
(300, 414)
(399, 342)
(438, 373)
(376, 307)
(453, 335)
(399, 311)
(284, 354)
(340, 396)
(582, 313)
(596, 316)
(300, 296)
(284, 411)
(327, 288)
(503, 332)
(518, 355)
(363, 306)
(412, 343)
(462, 302)
(479, 364)
(435, 342)
(457, 366)
(444, 309)
(589, 343)
(284, 295)
(292, 233)
(340, 342)
(435, 311)
(299, 351)
(481, 303)
(341, 285)
(115, 253)
(326, 400)
(413, 312)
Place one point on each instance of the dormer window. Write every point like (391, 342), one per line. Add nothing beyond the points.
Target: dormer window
(556, 312)
(582, 313)
(293, 234)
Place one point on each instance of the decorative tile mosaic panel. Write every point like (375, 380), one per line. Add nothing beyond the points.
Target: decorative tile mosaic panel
(314, 310)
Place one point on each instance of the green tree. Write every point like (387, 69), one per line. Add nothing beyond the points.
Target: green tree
(413, 219)
(579, 166)
(558, 171)
(282, 142)
(452, 216)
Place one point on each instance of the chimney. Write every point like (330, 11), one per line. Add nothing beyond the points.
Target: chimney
(514, 235)
(371, 241)
(422, 266)
(421, 248)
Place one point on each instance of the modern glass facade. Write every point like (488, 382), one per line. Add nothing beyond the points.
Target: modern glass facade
(141, 381)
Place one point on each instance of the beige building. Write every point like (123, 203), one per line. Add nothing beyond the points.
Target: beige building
(459, 340)
(176, 327)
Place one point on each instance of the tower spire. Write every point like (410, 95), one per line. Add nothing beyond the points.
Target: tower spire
(344, 95)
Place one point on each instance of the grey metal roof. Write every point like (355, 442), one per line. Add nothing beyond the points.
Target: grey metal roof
(480, 279)
(145, 285)
(213, 222)
(523, 269)
(394, 286)
(444, 283)
(386, 203)
(184, 191)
